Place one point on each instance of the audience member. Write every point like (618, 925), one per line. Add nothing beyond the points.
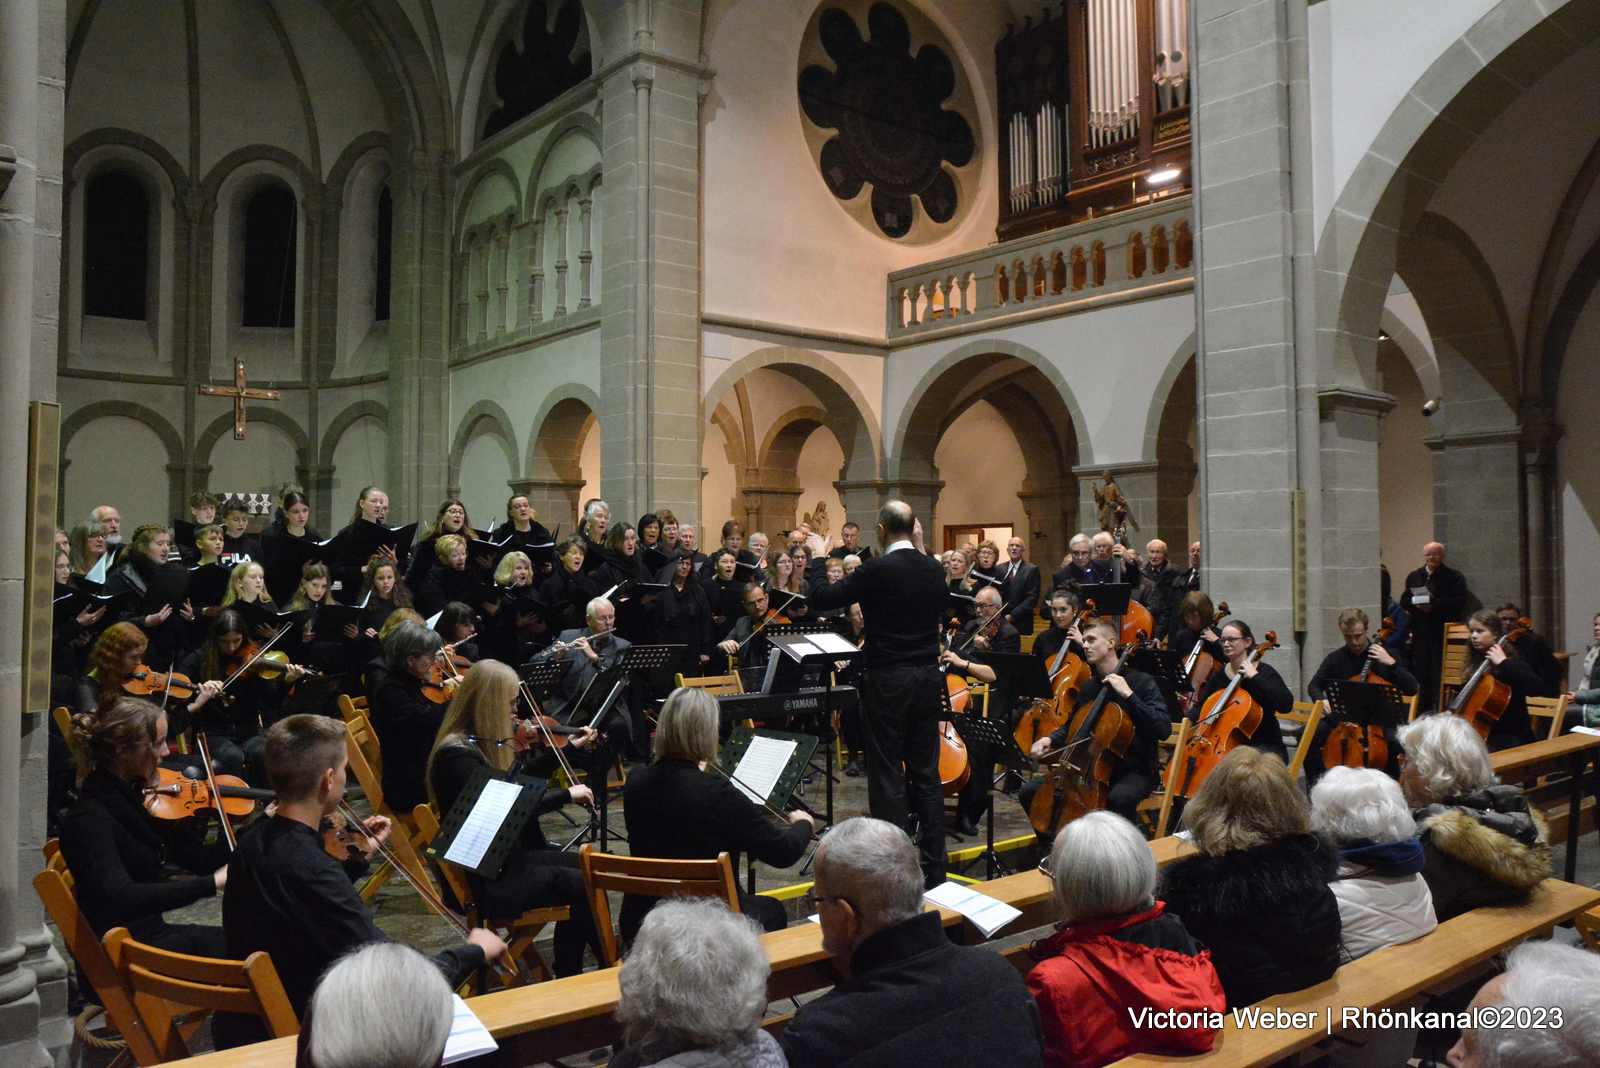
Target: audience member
(383, 1005)
(1553, 994)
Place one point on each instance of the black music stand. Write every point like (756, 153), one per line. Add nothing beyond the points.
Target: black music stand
(787, 674)
(1110, 598)
(797, 648)
(976, 728)
(541, 676)
(1165, 666)
(502, 839)
(1366, 704)
(789, 779)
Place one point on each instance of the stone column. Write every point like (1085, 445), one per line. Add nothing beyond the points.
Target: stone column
(536, 269)
(1477, 510)
(502, 268)
(561, 259)
(482, 253)
(585, 251)
(1543, 601)
(1349, 533)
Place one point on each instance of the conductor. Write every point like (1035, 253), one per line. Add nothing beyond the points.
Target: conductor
(902, 595)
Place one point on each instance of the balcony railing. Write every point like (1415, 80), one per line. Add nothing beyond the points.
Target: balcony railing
(1119, 253)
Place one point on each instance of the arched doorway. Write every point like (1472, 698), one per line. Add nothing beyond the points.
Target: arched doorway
(563, 463)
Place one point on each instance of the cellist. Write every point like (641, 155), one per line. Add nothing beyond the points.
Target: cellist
(1484, 631)
(987, 632)
(1063, 606)
(1140, 698)
(1356, 653)
(1261, 681)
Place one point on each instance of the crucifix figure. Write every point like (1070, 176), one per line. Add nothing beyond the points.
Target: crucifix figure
(240, 393)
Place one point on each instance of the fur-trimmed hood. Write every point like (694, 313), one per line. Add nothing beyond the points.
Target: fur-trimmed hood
(1494, 832)
(1277, 876)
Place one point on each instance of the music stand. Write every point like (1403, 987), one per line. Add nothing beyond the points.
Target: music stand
(1165, 666)
(1366, 704)
(783, 791)
(1110, 598)
(798, 647)
(485, 843)
(1022, 674)
(791, 668)
(541, 676)
(975, 728)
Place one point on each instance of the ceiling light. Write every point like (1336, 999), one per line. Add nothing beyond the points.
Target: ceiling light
(1162, 177)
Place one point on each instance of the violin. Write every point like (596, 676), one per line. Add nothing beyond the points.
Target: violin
(1068, 673)
(546, 732)
(1483, 699)
(1199, 664)
(439, 688)
(175, 796)
(339, 841)
(1228, 720)
(1349, 744)
(1080, 781)
(164, 684)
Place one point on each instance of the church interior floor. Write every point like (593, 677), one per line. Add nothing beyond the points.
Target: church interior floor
(403, 916)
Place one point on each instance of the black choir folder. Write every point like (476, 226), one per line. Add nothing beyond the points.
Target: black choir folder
(483, 826)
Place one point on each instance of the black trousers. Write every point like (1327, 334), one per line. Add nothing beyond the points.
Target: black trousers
(900, 711)
(1128, 788)
(540, 879)
(1427, 645)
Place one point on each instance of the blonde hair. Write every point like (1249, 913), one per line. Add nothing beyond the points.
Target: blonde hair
(397, 617)
(237, 575)
(119, 726)
(446, 545)
(1248, 800)
(480, 715)
(508, 564)
(687, 729)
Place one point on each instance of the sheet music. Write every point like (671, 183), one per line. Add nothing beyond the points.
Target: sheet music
(468, 1037)
(986, 913)
(483, 823)
(829, 642)
(433, 620)
(762, 766)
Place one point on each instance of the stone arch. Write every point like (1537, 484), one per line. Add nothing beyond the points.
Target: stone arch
(157, 153)
(850, 416)
(938, 388)
(733, 438)
(401, 66)
(353, 154)
(495, 167)
(1177, 366)
(1423, 362)
(254, 413)
(499, 428)
(558, 432)
(1544, 305)
(485, 38)
(82, 417)
(578, 124)
(1461, 93)
(788, 434)
(361, 409)
(300, 177)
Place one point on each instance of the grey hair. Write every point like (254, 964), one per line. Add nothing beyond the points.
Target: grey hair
(687, 727)
(407, 640)
(592, 607)
(1447, 755)
(695, 975)
(1545, 977)
(595, 507)
(1360, 803)
(381, 1006)
(1079, 537)
(872, 864)
(1102, 867)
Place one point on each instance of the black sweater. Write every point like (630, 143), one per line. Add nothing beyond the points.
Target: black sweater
(902, 597)
(1270, 691)
(406, 723)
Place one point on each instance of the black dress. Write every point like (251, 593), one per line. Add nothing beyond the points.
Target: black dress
(569, 596)
(535, 875)
(683, 617)
(406, 723)
(1271, 692)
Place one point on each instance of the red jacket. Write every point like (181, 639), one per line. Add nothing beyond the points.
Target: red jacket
(1093, 978)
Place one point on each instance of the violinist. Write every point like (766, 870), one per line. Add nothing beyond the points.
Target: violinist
(683, 616)
(680, 807)
(987, 632)
(522, 524)
(115, 662)
(247, 584)
(238, 544)
(234, 727)
(376, 669)
(450, 519)
(1140, 698)
(1261, 681)
(1531, 647)
(480, 731)
(136, 573)
(742, 641)
(117, 852)
(285, 543)
(1357, 653)
(568, 589)
(1484, 631)
(405, 718)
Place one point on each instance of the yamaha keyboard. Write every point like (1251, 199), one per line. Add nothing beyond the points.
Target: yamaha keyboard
(781, 707)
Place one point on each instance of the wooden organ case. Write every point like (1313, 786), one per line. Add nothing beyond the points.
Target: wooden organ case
(1094, 101)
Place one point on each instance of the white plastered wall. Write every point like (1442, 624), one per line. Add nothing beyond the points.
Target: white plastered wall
(1578, 481)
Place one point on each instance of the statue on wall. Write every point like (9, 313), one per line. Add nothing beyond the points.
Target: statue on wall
(1113, 507)
(817, 520)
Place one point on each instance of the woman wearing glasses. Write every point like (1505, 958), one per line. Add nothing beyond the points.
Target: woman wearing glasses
(1259, 679)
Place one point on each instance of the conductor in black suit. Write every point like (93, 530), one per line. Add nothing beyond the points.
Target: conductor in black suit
(902, 597)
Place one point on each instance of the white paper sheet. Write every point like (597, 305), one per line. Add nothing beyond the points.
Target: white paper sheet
(986, 913)
(483, 823)
(832, 643)
(761, 766)
(468, 1037)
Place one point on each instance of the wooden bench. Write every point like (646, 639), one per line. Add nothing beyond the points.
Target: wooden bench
(1570, 753)
(1388, 977)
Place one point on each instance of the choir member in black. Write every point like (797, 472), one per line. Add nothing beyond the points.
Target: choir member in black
(987, 632)
(733, 542)
(511, 634)
(1435, 594)
(850, 543)
(456, 627)
(806, 567)
(758, 569)
(596, 521)
(136, 576)
(568, 589)
(1535, 650)
(309, 644)
(287, 897)
(1138, 696)
(73, 635)
(725, 592)
(202, 513)
(1261, 681)
(450, 519)
(1164, 585)
(382, 591)
(652, 554)
(451, 579)
(118, 853)
(986, 565)
(480, 732)
(688, 539)
(1021, 586)
(233, 725)
(683, 617)
(902, 596)
(372, 506)
(680, 807)
(744, 648)
(959, 606)
(619, 567)
(669, 543)
(88, 541)
(850, 717)
(788, 587)
(207, 554)
(405, 719)
(238, 544)
(1513, 727)
(522, 525)
(286, 543)
(833, 574)
(1347, 661)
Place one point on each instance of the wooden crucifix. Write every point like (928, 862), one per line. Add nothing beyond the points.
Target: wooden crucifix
(240, 393)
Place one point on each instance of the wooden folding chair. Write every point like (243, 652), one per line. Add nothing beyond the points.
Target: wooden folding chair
(1413, 703)
(715, 685)
(361, 745)
(1170, 779)
(54, 887)
(1553, 708)
(1453, 660)
(1588, 925)
(163, 982)
(69, 734)
(351, 707)
(520, 932)
(1308, 731)
(648, 877)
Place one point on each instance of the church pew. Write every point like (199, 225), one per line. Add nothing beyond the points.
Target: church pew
(1388, 977)
(1569, 753)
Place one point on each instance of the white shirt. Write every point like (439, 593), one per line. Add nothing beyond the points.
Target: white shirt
(903, 543)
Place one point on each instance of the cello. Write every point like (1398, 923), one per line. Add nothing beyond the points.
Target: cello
(1347, 744)
(1199, 664)
(1483, 699)
(1228, 720)
(955, 765)
(1068, 673)
(1097, 741)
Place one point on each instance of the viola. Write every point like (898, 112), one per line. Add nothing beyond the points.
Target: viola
(1483, 699)
(339, 840)
(1097, 741)
(1228, 720)
(1348, 744)
(175, 796)
(162, 684)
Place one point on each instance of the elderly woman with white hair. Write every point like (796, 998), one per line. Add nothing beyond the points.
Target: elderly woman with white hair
(1547, 1006)
(693, 991)
(1481, 843)
(1118, 951)
(381, 1006)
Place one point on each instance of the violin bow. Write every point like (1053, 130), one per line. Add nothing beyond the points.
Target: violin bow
(216, 794)
(549, 737)
(261, 652)
(768, 805)
(979, 629)
(772, 614)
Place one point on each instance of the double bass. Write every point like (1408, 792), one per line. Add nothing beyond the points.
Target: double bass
(1349, 744)
(1483, 699)
(1228, 720)
(1097, 741)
